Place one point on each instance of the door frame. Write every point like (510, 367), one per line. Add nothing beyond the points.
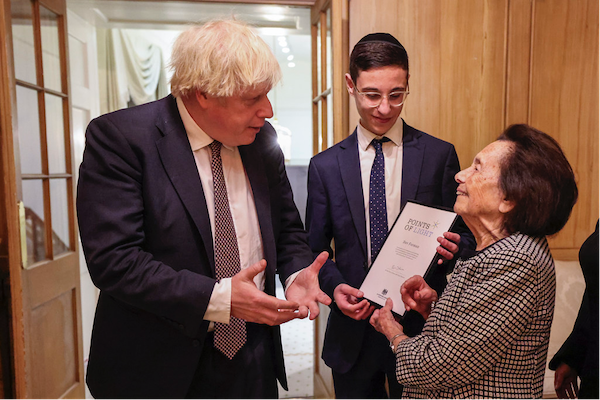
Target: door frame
(10, 249)
(24, 281)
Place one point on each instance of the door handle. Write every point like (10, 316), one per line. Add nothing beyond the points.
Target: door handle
(23, 232)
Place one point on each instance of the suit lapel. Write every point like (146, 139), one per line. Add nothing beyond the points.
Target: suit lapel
(412, 160)
(178, 160)
(349, 163)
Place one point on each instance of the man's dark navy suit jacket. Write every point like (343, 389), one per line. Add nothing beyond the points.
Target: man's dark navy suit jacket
(147, 239)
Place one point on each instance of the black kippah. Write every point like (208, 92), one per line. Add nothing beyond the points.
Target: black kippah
(381, 37)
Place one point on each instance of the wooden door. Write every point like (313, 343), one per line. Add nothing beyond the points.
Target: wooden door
(39, 226)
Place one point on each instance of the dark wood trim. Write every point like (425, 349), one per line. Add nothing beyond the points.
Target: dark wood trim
(340, 60)
(40, 88)
(45, 176)
(56, 6)
(61, 271)
(314, 34)
(68, 134)
(324, 80)
(39, 66)
(518, 61)
(9, 216)
(317, 9)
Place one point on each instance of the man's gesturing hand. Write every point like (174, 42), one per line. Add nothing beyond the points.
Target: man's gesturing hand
(305, 289)
(253, 305)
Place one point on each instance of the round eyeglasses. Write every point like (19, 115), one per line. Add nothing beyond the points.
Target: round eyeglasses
(374, 99)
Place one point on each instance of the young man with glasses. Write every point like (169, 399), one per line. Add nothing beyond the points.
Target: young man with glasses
(355, 192)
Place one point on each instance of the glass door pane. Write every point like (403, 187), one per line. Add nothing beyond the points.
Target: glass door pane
(61, 241)
(55, 134)
(33, 199)
(23, 42)
(28, 130)
(50, 49)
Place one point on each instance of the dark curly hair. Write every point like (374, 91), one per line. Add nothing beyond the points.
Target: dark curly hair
(537, 177)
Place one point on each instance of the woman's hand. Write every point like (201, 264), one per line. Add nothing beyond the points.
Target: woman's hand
(418, 295)
(384, 322)
(448, 246)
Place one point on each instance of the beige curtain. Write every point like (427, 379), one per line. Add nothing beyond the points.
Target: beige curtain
(131, 70)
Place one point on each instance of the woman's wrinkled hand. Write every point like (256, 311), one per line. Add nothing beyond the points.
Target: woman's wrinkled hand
(418, 295)
(384, 322)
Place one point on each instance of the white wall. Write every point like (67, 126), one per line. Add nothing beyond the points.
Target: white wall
(83, 69)
(292, 98)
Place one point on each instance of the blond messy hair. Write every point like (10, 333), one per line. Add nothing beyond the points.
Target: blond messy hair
(221, 58)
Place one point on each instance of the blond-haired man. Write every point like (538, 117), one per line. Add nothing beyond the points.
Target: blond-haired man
(186, 215)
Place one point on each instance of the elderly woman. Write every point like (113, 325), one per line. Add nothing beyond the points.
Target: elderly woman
(487, 335)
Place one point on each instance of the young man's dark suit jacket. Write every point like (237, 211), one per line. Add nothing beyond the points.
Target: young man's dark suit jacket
(147, 239)
(336, 209)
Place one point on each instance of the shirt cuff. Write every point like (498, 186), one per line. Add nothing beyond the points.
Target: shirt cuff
(290, 280)
(219, 305)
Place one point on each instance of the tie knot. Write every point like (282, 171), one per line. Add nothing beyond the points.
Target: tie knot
(377, 143)
(215, 147)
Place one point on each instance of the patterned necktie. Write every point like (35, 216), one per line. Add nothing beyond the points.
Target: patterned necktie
(377, 204)
(229, 338)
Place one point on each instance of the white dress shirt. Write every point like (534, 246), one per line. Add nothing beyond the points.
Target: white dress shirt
(392, 154)
(243, 210)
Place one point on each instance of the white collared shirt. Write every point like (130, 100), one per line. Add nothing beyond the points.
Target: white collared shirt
(392, 153)
(243, 211)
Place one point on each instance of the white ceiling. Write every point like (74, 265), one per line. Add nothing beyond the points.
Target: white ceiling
(268, 19)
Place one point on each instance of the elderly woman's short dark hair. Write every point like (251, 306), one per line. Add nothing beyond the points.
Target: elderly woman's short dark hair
(538, 178)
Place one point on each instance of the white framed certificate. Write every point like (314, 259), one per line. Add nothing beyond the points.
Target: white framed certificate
(409, 249)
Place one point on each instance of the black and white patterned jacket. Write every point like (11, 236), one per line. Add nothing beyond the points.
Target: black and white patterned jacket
(488, 335)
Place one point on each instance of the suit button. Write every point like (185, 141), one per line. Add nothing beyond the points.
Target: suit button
(181, 327)
(195, 343)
